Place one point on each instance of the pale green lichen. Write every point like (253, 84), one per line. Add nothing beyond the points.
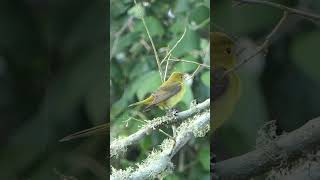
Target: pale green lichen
(118, 146)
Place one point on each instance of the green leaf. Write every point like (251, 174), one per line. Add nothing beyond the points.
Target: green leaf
(137, 11)
(204, 157)
(188, 97)
(153, 24)
(182, 6)
(205, 78)
(185, 66)
(149, 83)
(190, 42)
(304, 52)
(199, 14)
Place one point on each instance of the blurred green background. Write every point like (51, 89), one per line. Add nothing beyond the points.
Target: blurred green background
(284, 85)
(134, 74)
(53, 82)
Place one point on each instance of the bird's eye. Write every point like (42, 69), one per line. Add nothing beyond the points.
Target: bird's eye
(228, 50)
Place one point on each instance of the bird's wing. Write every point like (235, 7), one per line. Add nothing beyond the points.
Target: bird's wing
(220, 84)
(165, 92)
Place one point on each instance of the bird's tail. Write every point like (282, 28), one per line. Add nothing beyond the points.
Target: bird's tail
(145, 101)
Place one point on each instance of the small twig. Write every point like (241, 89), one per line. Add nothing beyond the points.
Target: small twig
(263, 46)
(153, 46)
(202, 24)
(166, 69)
(166, 134)
(194, 73)
(304, 14)
(192, 62)
(160, 161)
(154, 49)
(169, 53)
(120, 145)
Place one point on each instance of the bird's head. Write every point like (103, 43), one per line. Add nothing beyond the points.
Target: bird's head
(222, 51)
(177, 77)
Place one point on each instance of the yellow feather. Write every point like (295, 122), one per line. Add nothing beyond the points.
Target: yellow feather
(223, 59)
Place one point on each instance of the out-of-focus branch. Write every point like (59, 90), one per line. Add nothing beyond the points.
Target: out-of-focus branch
(264, 45)
(159, 162)
(263, 159)
(312, 172)
(120, 144)
(298, 12)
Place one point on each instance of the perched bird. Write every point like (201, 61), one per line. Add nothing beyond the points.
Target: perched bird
(225, 83)
(168, 94)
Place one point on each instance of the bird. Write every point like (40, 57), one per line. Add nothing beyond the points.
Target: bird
(165, 97)
(225, 82)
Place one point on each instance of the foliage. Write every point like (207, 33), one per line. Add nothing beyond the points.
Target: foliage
(134, 70)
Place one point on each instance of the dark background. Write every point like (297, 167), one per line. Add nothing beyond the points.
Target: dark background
(284, 85)
(53, 82)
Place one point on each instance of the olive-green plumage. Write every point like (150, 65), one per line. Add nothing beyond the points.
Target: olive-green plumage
(225, 87)
(167, 95)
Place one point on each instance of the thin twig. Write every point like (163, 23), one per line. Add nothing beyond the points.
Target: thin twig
(191, 62)
(120, 145)
(263, 46)
(154, 49)
(304, 14)
(169, 53)
(159, 161)
(166, 69)
(153, 46)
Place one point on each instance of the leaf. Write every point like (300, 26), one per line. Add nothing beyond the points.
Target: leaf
(188, 97)
(204, 157)
(185, 66)
(190, 42)
(199, 14)
(205, 78)
(153, 24)
(149, 84)
(304, 52)
(137, 11)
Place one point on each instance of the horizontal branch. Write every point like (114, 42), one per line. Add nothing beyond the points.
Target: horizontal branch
(311, 172)
(120, 144)
(263, 159)
(159, 162)
(298, 12)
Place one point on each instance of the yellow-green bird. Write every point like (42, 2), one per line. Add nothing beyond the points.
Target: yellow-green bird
(225, 86)
(166, 97)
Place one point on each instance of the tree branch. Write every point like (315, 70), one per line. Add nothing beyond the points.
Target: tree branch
(298, 12)
(120, 144)
(263, 159)
(306, 173)
(159, 162)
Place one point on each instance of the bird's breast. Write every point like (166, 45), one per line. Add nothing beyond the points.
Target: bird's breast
(220, 84)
